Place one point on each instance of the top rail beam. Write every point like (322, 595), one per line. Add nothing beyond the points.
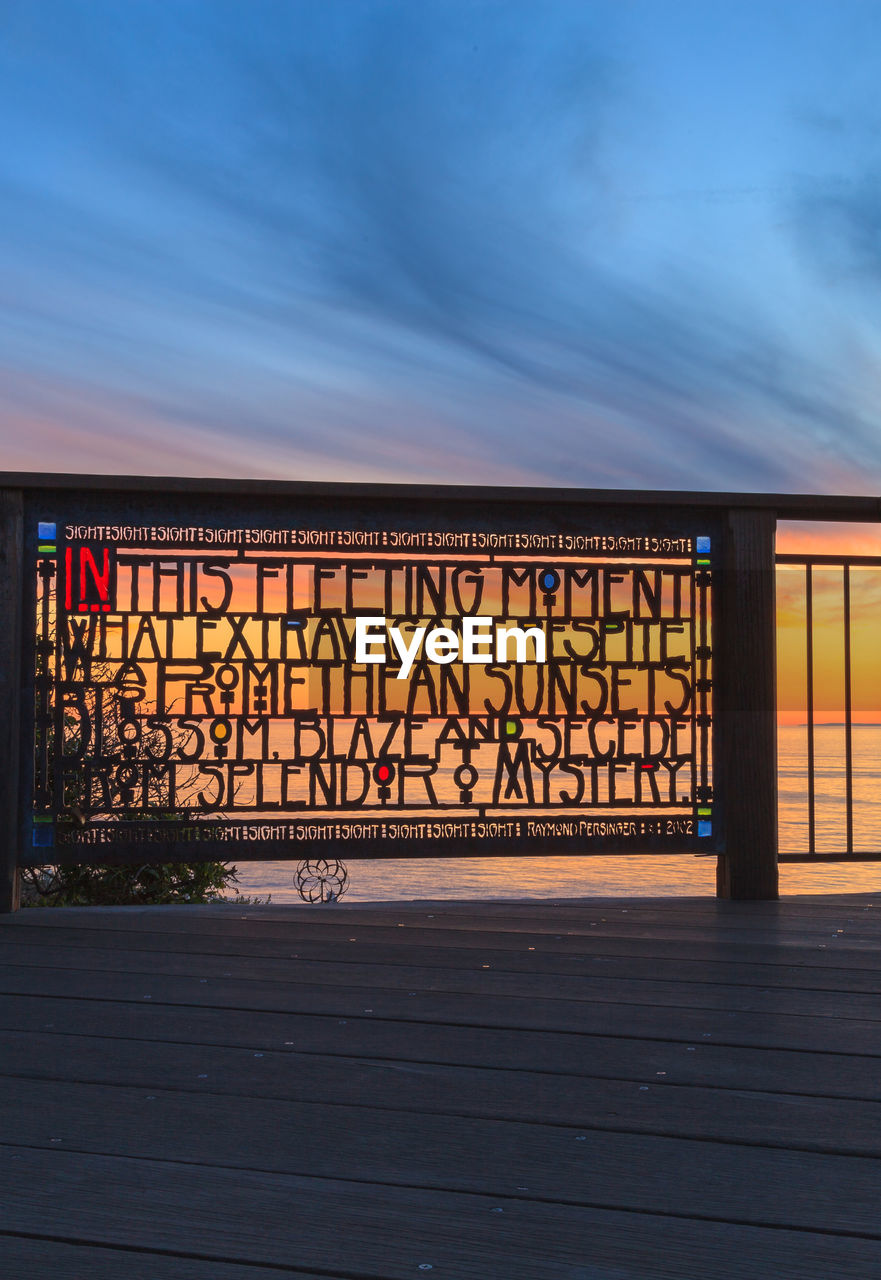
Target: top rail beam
(789, 506)
(834, 561)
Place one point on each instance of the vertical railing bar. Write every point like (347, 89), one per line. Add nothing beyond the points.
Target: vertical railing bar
(809, 631)
(696, 780)
(848, 718)
(708, 764)
(11, 632)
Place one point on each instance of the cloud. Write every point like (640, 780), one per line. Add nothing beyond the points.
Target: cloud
(841, 231)
(384, 240)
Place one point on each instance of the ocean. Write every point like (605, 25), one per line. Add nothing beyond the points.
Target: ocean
(652, 875)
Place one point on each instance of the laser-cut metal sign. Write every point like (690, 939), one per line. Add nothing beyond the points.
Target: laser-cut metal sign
(293, 678)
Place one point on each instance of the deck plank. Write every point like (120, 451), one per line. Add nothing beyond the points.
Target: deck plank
(561, 1164)
(26, 1257)
(809, 967)
(662, 1106)
(707, 1015)
(617, 958)
(591, 976)
(338, 925)
(703, 918)
(363, 1230)
(622, 1056)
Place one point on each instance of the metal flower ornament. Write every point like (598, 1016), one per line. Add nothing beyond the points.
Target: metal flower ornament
(323, 880)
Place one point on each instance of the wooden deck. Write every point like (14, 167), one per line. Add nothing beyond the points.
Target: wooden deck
(585, 1091)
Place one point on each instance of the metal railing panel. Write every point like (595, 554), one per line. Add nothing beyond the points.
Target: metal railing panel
(857, 817)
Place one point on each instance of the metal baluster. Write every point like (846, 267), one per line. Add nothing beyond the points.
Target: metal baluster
(848, 721)
(809, 628)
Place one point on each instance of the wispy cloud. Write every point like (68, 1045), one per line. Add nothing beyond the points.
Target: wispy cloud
(398, 241)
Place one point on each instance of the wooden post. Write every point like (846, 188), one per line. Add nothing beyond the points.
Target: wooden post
(746, 645)
(11, 526)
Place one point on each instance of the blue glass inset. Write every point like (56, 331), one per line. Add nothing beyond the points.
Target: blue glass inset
(46, 531)
(43, 837)
(705, 828)
(702, 545)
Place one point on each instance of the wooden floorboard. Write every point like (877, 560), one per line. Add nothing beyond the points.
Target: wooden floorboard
(578, 977)
(593, 984)
(595, 1090)
(663, 1105)
(620, 1057)
(81, 947)
(25, 1258)
(562, 1164)
(689, 916)
(365, 1230)
(709, 1015)
(339, 923)
(824, 944)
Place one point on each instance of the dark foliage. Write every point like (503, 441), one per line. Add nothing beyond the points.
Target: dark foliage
(166, 882)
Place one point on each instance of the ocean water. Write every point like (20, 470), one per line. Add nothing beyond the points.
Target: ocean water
(408, 879)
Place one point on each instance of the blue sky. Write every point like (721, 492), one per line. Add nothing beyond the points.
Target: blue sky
(603, 244)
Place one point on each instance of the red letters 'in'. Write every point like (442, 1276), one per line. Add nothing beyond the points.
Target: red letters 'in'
(94, 583)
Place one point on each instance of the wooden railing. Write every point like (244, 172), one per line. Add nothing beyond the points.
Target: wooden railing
(63, 535)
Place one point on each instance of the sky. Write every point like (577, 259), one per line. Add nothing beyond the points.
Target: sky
(604, 244)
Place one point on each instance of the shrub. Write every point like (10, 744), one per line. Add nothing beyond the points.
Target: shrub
(83, 885)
